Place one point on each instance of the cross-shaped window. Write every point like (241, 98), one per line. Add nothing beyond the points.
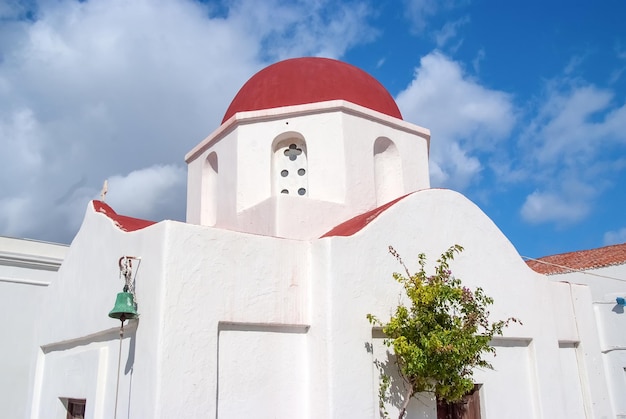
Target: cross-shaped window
(293, 152)
(290, 168)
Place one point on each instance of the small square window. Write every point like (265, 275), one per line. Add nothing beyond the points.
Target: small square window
(76, 408)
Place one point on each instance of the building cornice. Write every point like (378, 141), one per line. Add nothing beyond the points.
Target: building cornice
(21, 260)
(242, 118)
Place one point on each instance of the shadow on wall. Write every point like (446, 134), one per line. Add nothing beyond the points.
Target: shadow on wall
(423, 405)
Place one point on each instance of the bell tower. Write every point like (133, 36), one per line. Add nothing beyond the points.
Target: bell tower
(306, 144)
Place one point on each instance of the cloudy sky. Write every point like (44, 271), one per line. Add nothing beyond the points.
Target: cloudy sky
(526, 101)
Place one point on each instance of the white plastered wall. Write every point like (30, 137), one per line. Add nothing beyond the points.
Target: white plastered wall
(340, 138)
(27, 268)
(609, 319)
(78, 344)
(234, 300)
(234, 324)
(210, 301)
(529, 357)
(202, 207)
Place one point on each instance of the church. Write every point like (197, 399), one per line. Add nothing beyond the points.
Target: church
(255, 307)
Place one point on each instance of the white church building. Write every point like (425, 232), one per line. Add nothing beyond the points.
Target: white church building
(256, 306)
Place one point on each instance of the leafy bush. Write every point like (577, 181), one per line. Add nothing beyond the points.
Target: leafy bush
(440, 336)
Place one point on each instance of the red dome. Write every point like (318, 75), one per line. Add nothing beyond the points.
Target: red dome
(308, 80)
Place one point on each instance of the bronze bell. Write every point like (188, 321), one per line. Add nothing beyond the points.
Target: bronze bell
(125, 308)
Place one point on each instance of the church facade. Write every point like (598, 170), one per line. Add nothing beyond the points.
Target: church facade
(256, 306)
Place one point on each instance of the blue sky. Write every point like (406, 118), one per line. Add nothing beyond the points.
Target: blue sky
(526, 101)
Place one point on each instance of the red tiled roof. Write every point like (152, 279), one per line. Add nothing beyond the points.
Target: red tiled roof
(356, 224)
(123, 222)
(581, 260)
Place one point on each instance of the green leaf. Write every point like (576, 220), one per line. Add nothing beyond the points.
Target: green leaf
(442, 334)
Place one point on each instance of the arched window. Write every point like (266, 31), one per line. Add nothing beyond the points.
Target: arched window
(387, 171)
(210, 172)
(289, 165)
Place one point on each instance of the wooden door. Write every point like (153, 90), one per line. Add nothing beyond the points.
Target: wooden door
(468, 408)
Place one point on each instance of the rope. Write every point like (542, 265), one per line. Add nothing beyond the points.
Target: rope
(119, 365)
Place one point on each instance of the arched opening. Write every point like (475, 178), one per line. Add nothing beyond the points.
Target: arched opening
(210, 172)
(289, 165)
(387, 171)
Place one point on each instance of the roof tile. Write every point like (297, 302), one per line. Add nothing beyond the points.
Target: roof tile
(581, 260)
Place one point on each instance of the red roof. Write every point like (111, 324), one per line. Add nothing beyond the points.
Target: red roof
(581, 260)
(300, 81)
(123, 222)
(356, 224)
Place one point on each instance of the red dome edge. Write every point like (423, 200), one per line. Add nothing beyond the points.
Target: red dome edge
(299, 81)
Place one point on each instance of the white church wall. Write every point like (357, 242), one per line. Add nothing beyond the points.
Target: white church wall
(246, 325)
(337, 147)
(289, 172)
(206, 278)
(224, 292)
(388, 178)
(27, 268)
(86, 369)
(245, 389)
(324, 153)
(423, 405)
(77, 323)
(211, 196)
(194, 184)
(211, 187)
(430, 221)
(511, 389)
(411, 143)
(573, 385)
(216, 304)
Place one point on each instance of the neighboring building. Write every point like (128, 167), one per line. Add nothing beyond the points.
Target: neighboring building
(27, 268)
(256, 307)
(604, 271)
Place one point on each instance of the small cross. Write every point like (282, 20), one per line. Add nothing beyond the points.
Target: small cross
(293, 152)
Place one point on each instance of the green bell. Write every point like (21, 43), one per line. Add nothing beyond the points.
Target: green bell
(125, 308)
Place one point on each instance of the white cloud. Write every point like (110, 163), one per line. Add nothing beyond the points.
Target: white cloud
(420, 11)
(22, 144)
(574, 64)
(464, 117)
(290, 28)
(457, 170)
(569, 120)
(13, 212)
(615, 237)
(449, 31)
(91, 89)
(576, 138)
(146, 192)
(480, 56)
(13, 9)
(542, 207)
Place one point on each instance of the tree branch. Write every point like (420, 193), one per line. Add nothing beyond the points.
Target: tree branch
(407, 399)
